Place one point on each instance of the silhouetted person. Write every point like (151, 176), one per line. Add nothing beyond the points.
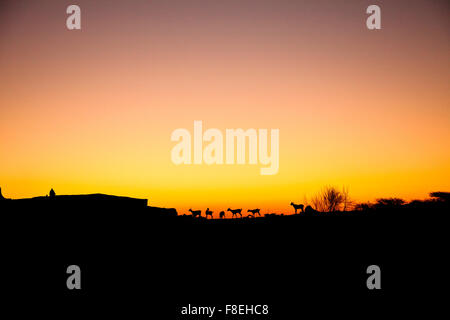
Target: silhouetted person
(208, 213)
(52, 193)
(1, 196)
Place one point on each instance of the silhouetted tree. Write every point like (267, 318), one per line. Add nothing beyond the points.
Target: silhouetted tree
(389, 203)
(363, 206)
(328, 200)
(347, 203)
(317, 203)
(417, 203)
(441, 196)
(52, 193)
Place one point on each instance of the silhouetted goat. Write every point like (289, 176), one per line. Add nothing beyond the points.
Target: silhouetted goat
(235, 212)
(297, 206)
(196, 213)
(254, 212)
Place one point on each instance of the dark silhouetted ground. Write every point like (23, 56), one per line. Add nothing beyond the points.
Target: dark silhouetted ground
(131, 253)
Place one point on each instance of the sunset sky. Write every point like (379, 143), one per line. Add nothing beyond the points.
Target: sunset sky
(92, 110)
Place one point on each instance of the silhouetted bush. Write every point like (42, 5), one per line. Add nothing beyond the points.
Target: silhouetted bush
(364, 206)
(441, 196)
(309, 210)
(328, 200)
(390, 203)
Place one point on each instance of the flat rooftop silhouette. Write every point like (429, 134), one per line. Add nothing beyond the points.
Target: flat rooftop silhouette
(96, 199)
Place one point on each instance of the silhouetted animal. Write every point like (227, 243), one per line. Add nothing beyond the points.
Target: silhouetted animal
(222, 214)
(208, 213)
(254, 212)
(196, 213)
(235, 212)
(297, 206)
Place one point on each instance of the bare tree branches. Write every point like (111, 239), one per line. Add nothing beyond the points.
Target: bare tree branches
(330, 199)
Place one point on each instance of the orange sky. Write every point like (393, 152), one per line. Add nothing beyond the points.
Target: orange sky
(93, 110)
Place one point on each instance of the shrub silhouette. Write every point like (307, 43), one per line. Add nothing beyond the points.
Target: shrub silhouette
(441, 196)
(389, 203)
(329, 199)
(364, 206)
(309, 210)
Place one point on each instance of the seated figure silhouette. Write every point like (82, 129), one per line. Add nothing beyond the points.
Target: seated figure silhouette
(52, 193)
